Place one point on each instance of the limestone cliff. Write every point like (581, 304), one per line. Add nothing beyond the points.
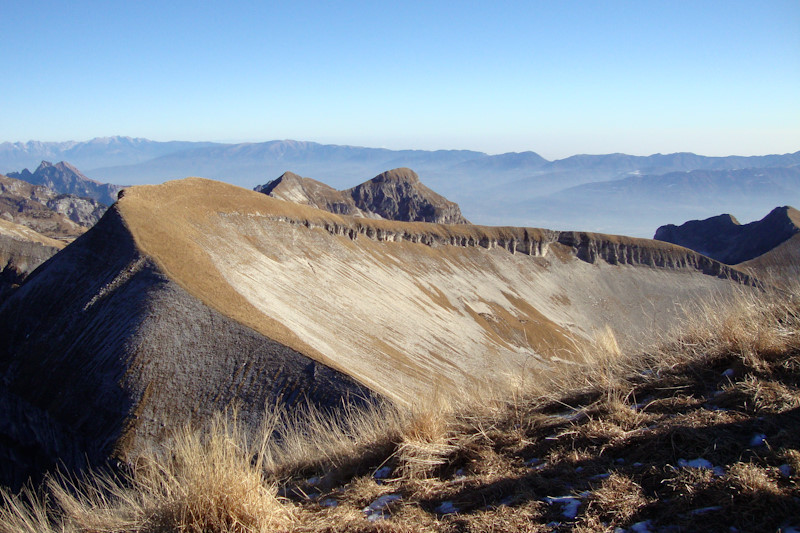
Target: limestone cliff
(59, 216)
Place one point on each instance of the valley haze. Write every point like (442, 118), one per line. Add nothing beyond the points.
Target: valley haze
(611, 193)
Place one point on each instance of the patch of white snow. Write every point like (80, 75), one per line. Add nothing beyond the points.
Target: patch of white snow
(569, 505)
(376, 510)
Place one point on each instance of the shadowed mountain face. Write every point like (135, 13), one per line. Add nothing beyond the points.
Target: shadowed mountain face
(723, 238)
(193, 296)
(21, 251)
(66, 179)
(395, 195)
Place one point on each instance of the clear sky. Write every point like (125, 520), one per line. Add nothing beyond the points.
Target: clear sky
(558, 77)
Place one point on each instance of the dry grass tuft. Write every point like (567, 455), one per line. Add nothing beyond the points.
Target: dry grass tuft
(617, 500)
(28, 512)
(207, 481)
(426, 441)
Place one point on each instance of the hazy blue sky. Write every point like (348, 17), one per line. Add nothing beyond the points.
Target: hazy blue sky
(559, 77)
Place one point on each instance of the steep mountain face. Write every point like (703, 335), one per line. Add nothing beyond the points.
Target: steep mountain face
(21, 251)
(399, 195)
(43, 210)
(193, 296)
(723, 238)
(395, 195)
(66, 179)
(779, 265)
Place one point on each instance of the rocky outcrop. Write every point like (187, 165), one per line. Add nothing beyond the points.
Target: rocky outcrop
(394, 195)
(60, 216)
(83, 211)
(307, 191)
(66, 179)
(399, 195)
(588, 247)
(723, 238)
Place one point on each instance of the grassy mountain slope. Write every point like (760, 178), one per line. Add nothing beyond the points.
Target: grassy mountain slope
(698, 434)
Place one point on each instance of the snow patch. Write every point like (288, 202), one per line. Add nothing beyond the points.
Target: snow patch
(569, 505)
(377, 509)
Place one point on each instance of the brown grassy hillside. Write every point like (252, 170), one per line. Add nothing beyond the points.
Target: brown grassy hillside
(702, 434)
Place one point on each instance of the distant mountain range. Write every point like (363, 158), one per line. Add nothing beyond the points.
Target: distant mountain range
(614, 193)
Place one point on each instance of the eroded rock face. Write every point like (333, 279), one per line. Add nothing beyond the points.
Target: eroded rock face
(394, 195)
(59, 216)
(723, 238)
(84, 211)
(101, 353)
(399, 195)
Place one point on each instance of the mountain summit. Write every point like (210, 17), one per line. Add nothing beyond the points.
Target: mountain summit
(396, 194)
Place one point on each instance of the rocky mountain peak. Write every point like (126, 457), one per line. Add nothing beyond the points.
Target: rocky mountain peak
(396, 194)
(723, 238)
(282, 181)
(399, 195)
(64, 178)
(397, 175)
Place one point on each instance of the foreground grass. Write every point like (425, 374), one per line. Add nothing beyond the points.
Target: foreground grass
(701, 434)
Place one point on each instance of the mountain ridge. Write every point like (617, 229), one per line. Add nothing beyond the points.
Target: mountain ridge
(193, 296)
(725, 239)
(396, 194)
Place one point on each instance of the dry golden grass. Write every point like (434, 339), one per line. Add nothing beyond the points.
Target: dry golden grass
(702, 433)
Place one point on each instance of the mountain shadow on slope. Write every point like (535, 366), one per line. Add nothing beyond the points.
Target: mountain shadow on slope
(101, 353)
(723, 238)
